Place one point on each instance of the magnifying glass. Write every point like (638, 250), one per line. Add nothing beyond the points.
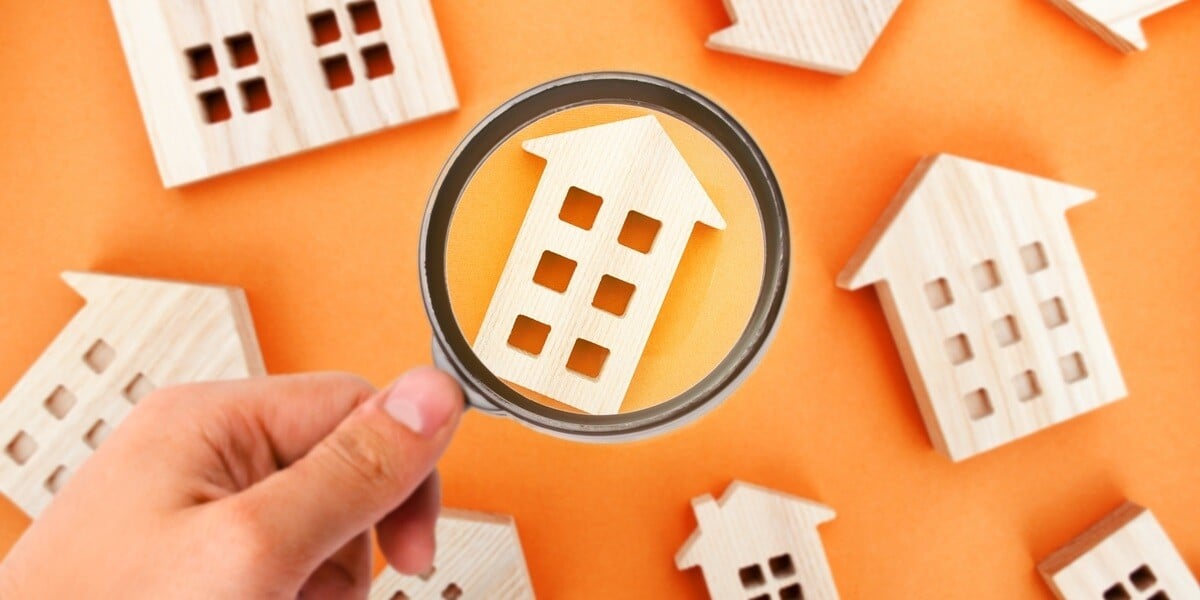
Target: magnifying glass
(729, 291)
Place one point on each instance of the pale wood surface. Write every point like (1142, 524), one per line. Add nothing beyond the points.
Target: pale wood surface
(478, 557)
(305, 112)
(833, 36)
(1017, 345)
(140, 334)
(757, 541)
(1126, 555)
(632, 165)
(1117, 22)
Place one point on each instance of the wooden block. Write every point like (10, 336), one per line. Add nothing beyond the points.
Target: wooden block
(132, 336)
(987, 298)
(1118, 22)
(587, 275)
(759, 543)
(225, 84)
(833, 36)
(1124, 556)
(478, 556)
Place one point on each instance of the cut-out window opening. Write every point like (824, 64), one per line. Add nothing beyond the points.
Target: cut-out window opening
(56, 480)
(782, 566)
(1159, 595)
(21, 448)
(587, 358)
(938, 293)
(1073, 369)
(378, 61)
(979, 405)
(255, 96)
(242, 52)
(1034, 257)
(428, 573)
(1006, 331)
(1054, 313)
(791, 592)
(1027, 387)
(613, 295)
(325, 28)
(987, 277)
(337, 72)
(958, 349)
(365, 16)
(60, 402)
(752, 576)
(215, 106)
(399, 595)
(554, 271)
(529, 335)
(138, 388)
(202, 61)
(580, 208)
(1117, 592)
(762, 597)
(452, 592)
(97, 434)
(639, 232)
(1143, 578)
(99, 356)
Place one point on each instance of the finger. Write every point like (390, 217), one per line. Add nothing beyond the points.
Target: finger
(407, 534)
(366, 468)
(347, 574)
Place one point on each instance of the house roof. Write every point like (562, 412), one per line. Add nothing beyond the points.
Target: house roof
(1118, 22)
(613, 155)
(946, 178)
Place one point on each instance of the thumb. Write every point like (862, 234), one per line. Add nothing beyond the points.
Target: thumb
(360, 472)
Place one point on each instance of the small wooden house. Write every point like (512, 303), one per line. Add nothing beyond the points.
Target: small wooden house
(1117, 22)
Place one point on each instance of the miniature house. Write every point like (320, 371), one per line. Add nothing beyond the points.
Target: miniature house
(225, 84)
(132, 336)
(1125, 556)
(988, 301)
(757, 543)
(478, 556)
(1117, 22)
(833, 36)
(587, 275)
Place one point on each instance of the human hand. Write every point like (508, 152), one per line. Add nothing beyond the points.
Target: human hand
(264, 488)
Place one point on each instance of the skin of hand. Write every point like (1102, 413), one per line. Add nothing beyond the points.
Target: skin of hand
(262, 488)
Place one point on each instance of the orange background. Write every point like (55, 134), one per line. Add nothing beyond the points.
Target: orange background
(325, 246)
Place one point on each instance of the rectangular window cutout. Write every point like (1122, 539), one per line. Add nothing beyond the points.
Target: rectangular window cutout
(1034, 257)
(554, 271)
(365, 16)
(587, 359)
(762, 597)
(1006, 331)
(99, 356)
(958, 349)
(1073, 369)
(613, 295)
(580, 208)
(202, 61)
(242, 52)
(1143, 578)
(399, 595)
(791, 592)
(782, 566)
(138, 388)
(752, 576)
(97, 434)
(215, 106)
(938, 292)
(1117, 592)
(428, 573)
(1027, 386)
(1160, 595)
(378, 61)
(979, 406)
(56, 480)
(529, 335)
(1054, 313)
(60, 402)
(639, 232)
(987, 277)
(452, 592)
(337, 72)
(324, 28)
(21, 448)
(254, 95)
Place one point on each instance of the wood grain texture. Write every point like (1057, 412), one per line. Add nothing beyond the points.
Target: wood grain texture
(988, 301)
(478, 557)
(833, 36)
(188, 58)
(1117, 22)
(132, 336)
(759, 542)
(649, 201)
(1125, 556)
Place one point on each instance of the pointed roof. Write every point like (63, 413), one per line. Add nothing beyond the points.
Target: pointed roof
(612, 156)
(1119, 22)
(948, 178)
(826, 35)
(741, 496)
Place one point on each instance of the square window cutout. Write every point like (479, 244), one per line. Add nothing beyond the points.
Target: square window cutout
(337, 72)
(1143, 578)
(1073, 368)
(1159, 595)
(1117, 592)
(56, 480)
(1006, 331)
(782, 566)
(60, 402)
(365, 16)
(1027, 386)
(958, 349)
(21, 448)
(1034, 257)
(938, 292)
(139, 387)
(97, 434)
(979, 406)
(613, 295)
(639, 232)
(529, 335)
(255, 96)
(791, 592)
(378, 61)
(99, 356)
(752, 576)
(587, 359)
(242, 52)
(202, 61)
(452, 592)
(399, 595)
(580, 208)
(554, 271)
(215, 106)
(324, 28)
(1054, 313)
(987, 277)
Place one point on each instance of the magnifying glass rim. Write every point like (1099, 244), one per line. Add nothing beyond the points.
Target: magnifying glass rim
(452, 350)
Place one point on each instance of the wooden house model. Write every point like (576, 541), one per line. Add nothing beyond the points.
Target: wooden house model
(1117, 22)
